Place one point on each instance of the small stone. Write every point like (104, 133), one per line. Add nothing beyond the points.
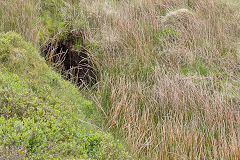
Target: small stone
(238, 67)
(19, 55)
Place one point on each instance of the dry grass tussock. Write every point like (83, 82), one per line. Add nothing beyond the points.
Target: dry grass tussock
(169, 73)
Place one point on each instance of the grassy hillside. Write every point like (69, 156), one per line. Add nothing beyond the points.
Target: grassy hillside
(43, 116)
(168, 70)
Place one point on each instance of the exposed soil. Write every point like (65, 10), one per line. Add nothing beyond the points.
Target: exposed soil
(69, 56)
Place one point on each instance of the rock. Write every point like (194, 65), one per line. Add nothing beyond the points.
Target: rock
(238, 67)
(18, 55)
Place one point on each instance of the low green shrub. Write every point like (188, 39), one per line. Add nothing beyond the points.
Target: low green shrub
(43, 115)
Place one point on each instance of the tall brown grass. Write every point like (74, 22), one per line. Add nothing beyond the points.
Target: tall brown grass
(169, 72)
(22, 17)
(161, 112)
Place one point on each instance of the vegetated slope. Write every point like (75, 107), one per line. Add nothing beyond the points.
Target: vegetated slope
(169, 69)
(43, 116)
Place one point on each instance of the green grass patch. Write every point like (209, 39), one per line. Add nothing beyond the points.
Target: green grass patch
(197, 67)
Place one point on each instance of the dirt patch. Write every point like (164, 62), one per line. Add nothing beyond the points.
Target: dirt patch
(69, 56)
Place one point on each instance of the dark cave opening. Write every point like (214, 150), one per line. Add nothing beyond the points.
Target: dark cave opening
(69, 56)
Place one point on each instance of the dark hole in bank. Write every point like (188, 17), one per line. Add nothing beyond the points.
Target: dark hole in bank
(69, 56)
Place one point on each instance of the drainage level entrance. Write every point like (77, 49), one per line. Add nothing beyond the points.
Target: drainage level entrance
(71, 58)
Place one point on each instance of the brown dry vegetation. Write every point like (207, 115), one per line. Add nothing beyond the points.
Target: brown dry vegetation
(169, 73)
(162, 113)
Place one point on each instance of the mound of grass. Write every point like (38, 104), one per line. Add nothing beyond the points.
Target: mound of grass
(43, 116)
(181, 18)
